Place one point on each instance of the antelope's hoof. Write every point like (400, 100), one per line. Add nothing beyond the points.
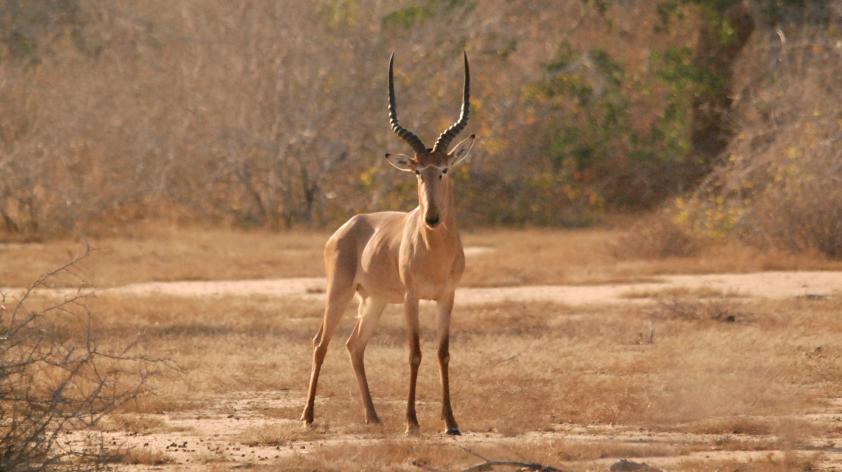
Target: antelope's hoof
(307, 419)
(372, 420)
(412, 430)
(453, 431)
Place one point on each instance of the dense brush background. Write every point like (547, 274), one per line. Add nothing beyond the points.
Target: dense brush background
(724, 116)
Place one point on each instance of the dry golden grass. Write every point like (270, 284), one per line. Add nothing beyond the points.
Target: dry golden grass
(171, 253)
(143, 457)
(787, 463)
(527, 378)
(133, 423)
(531, 257)
(543, 365)
(518, 257)
(685, 292)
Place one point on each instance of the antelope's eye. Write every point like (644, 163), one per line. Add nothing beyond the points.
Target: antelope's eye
(444, 172)
(417, 172)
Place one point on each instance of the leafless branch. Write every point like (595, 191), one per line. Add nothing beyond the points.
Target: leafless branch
(489, 464)
(54, 380)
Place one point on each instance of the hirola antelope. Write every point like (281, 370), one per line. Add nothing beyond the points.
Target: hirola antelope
(396, 257)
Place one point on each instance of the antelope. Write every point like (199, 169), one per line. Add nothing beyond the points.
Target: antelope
(395, 257)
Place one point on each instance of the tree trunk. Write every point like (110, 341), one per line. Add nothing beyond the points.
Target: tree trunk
(712, 128)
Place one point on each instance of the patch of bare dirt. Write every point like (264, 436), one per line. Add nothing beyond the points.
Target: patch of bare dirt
(772, 285)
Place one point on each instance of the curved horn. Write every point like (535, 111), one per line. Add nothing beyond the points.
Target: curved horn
(404, 133)
(447, 135)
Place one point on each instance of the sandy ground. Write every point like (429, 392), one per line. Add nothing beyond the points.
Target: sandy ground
(194, 439)
(774, 285)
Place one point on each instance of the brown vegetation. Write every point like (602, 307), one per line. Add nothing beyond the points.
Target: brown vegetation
(700, 376)
(226, 114)
(172, 253)
(514, 257)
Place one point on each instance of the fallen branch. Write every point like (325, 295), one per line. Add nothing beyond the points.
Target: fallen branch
(489, 464)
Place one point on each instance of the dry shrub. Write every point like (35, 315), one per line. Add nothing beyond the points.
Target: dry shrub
(804, 214)
(745, 425)
(281, 433)
(692, 308)
(657, 236)
(682, 292)
(141, 457)
(133, 423)
(53, 381)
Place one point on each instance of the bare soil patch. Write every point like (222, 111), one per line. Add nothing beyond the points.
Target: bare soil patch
(772, 285)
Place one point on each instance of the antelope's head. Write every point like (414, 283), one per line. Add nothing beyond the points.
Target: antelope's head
(431, 166)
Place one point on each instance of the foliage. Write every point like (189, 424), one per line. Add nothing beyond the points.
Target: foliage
(593, 145)
(410, 16)
(234, 114)
(32, 29)
(779, 184)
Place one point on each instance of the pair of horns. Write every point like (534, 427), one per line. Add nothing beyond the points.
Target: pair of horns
(447, 135)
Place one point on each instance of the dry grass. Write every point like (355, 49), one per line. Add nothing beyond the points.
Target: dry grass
(170, 253)
(771, 463)
(682, 292)
(518, 257)
(657, 237)
(524, 376)
(582, 366)
(133, 423)
(146, 457)
(690, 308)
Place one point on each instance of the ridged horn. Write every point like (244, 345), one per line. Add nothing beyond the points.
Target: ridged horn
(447, 135)
(404, 133)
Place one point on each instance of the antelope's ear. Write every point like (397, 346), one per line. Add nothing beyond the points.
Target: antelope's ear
(461, 151)
(401, 162)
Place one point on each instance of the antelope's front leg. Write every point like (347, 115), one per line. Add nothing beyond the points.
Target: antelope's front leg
(411, 312)
(444, 308)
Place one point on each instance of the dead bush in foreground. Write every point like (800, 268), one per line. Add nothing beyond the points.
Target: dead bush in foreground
(55, 379)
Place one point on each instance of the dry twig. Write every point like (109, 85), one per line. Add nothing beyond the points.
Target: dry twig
(489, 464)
(55, 378)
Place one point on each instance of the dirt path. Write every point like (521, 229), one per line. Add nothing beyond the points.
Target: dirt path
(773, 285)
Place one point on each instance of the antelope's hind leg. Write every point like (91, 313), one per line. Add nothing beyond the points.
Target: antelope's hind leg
(369, 314)
(339, 292)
